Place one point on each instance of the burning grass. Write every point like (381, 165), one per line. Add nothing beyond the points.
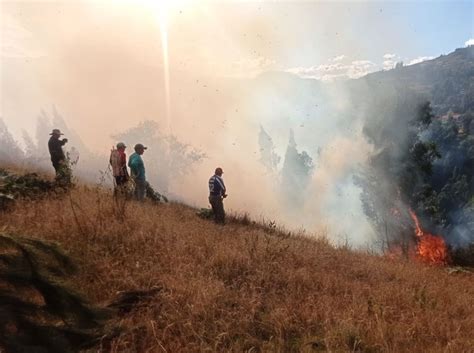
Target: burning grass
(246, 288)
(431, 249)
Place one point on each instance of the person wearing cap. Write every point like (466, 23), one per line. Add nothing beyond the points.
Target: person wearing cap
(137, 171)
(118, 161)
(58, 159)
(217, 194)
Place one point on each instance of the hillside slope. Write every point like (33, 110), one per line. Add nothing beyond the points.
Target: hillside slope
(446, 81)
(245, 288)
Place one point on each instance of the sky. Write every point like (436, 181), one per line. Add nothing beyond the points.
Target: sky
(48, 48)
(190, 66)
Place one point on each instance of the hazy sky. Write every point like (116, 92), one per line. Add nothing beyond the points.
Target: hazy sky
(83, 56)
(102, 64)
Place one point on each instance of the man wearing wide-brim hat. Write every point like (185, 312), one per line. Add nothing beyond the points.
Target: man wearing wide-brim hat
(58, 158)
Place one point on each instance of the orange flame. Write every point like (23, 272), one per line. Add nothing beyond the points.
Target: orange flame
(430, 248)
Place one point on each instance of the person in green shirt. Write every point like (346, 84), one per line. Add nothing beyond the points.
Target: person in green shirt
(137, 171)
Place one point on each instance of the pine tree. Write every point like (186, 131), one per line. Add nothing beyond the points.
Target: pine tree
(295, 174)
(10, 152)
(268, 157)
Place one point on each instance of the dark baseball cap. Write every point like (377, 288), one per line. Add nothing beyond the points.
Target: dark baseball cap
(139, 146)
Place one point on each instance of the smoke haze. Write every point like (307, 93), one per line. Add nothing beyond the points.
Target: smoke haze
(97, 70)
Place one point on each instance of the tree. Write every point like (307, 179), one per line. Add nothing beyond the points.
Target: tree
(399, 175)
(295, 174)
(31, 153)
(43, 129)
(268, 157)
(10, 152)
(168, 158)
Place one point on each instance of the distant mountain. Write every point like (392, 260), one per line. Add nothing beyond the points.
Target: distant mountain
(447, 81)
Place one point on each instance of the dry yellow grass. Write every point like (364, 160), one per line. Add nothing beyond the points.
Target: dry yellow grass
(238, 288)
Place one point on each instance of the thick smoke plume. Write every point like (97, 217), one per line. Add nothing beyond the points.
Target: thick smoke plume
(306, 154)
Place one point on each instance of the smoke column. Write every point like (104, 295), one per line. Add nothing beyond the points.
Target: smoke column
(211, 76)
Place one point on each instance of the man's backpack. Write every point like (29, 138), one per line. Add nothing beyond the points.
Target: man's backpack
(115, 162)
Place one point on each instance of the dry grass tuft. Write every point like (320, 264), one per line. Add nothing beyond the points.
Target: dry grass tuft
(245, 287)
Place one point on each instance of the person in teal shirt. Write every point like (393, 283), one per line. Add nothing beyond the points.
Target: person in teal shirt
(137, 171)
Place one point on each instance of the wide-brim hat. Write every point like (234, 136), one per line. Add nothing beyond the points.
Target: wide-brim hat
(56, 132)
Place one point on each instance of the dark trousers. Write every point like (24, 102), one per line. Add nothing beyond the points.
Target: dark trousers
(140, 189)
(217, 205)
(58, 165)
(121, 180)
(120, 185)
(63, 172)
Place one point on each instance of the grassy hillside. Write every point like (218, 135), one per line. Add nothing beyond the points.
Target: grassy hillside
(245, 288)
